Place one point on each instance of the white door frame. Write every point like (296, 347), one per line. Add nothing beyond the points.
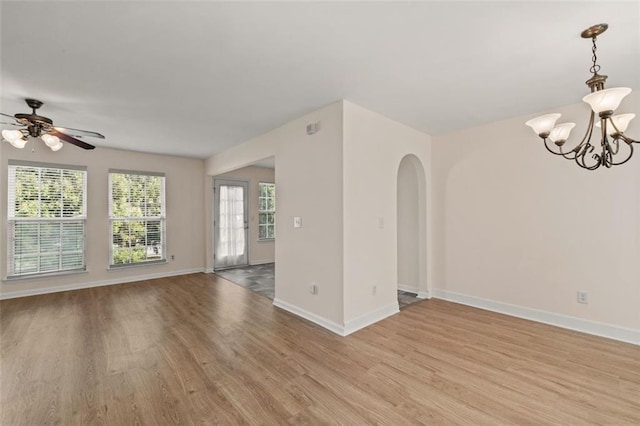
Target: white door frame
(217, 182)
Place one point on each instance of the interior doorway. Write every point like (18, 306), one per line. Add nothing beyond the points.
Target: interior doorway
(411, 226)
(231, 224)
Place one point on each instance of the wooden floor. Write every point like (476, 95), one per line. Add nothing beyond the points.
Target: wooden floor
(199, 350)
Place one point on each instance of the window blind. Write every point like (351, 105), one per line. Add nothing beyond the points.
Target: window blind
(137, 217)
(46, 219)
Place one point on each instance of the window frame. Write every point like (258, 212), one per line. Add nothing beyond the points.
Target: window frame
(266, 212)
(144, 218)
(79, 254)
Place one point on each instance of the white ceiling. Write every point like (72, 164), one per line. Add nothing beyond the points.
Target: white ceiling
(195, 78)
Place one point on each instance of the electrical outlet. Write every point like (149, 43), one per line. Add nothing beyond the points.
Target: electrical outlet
(374, 290)
(583, 297)
(173, 257)
(313, 288)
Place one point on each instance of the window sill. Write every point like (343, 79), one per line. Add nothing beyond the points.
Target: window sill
(18, 278)
(136, 265)
(266, 240)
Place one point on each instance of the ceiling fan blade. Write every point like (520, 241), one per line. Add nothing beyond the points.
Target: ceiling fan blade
(78, 132)
(7, 115)
(11, 124)
(71, 140)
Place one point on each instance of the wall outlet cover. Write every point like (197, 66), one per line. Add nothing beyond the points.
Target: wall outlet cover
(583, 297)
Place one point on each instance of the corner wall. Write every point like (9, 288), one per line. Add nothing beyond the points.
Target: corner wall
(373, 149)
(185, 237)
(522, 230)
(308, 179)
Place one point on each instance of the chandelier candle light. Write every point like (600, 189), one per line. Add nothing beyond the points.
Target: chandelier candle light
(612, 127)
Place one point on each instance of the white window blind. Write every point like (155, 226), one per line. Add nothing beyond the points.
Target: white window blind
(46, 219)
(137, 217)
(267, 211)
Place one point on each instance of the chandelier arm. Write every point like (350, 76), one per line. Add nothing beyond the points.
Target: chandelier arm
(615, 150)
(584, 145)
(589, 132)
(607, 158)
(626, 138)
(586, 149)
(584, 166)
(607, 150)
(565, 155)
(550, 150)
(626, 159)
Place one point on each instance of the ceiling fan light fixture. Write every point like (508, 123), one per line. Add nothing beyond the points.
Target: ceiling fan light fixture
(56, 147)
(603, 102)
(15, 138)
(19, 143)
(50, 140)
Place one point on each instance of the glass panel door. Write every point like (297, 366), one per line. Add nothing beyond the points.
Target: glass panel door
(231, 224)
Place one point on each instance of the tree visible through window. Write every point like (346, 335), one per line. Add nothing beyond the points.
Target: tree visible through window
(267, 211)
(46, 219)
(137, 216)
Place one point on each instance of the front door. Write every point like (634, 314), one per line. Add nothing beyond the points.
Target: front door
(230, 224)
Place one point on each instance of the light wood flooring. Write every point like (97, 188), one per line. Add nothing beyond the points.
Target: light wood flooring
(197, 349)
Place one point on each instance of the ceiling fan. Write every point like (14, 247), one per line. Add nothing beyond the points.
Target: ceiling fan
(38, 126)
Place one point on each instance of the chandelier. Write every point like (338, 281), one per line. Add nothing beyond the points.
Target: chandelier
(615, 147)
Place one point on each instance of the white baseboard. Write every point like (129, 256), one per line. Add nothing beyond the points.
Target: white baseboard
(408, 288)
(350, 327)
(370, 318)
(564, 321)
(317, 319)
(78, 286)
(424, 295)
(208, 270)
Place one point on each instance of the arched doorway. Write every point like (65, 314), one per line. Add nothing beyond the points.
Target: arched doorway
(412, 230)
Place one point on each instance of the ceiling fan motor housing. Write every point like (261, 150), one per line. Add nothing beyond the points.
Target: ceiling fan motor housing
(36, 124)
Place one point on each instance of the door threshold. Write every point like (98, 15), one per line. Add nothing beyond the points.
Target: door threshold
(226, 268)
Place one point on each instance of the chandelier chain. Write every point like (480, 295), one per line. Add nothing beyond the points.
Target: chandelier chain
(595, 67)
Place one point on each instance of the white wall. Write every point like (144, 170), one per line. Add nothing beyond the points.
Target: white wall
(340, 181)
(185, 214)
(519, 226)
(373, 148)
(259, 251)
(309, 185)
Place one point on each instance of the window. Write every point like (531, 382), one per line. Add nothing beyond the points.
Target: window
(45, 219)
(267, 211)
(137, 217)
